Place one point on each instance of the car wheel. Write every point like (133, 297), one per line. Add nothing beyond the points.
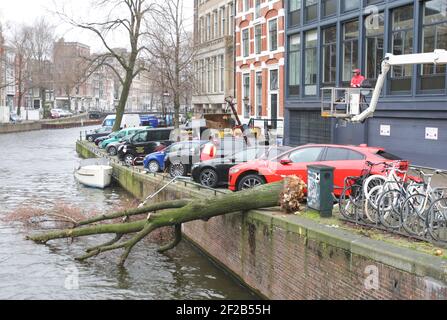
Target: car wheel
(177, 170)
(250, 181)
(153, 166)
(90, 139)
(128, 159)
(208, 178)
(112, 151)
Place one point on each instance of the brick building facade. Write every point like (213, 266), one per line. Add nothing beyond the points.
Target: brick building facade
(259, 50)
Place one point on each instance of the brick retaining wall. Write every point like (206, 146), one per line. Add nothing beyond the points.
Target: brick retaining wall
(291, 257)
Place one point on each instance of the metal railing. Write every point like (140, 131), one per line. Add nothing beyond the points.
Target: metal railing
(343, 102)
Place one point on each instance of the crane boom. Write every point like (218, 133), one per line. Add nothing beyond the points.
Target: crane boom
(438, 57)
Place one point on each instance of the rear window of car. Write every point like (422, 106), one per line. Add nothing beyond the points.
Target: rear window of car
(339, 154)
(388, 156)
(159, 135)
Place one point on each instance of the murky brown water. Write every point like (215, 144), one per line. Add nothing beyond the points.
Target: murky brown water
(36, 169)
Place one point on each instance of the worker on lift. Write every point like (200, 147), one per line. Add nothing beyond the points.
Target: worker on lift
(357, 79)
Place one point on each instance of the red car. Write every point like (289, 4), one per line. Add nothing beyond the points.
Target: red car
(347, 161)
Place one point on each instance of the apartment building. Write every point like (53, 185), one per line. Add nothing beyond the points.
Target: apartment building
(327, 39)
(214, 61)
(259, 32)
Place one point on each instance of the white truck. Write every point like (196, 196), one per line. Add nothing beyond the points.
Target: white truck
(128, 121)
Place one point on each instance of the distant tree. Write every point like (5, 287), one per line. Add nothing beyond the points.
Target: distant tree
(126, 16)
(171, 45)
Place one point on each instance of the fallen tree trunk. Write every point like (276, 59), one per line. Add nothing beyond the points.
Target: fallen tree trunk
(173, 213)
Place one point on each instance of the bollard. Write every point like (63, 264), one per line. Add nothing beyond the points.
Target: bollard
(320, 188)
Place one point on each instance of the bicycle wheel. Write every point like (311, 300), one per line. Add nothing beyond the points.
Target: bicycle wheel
(350, 202)
(372, 182)
(437, 220)
(414, 213)
(389, 205)
(371, 209)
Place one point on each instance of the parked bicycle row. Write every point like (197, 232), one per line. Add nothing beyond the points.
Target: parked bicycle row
(387, 195)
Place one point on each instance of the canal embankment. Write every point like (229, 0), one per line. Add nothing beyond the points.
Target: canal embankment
(72, 122)
(297, 256)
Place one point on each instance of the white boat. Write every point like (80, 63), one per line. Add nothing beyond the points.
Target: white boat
(95, 176)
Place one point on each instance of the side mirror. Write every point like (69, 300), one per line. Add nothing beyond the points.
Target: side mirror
(285, 161)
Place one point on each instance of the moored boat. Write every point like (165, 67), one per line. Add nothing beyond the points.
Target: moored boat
(95, 176)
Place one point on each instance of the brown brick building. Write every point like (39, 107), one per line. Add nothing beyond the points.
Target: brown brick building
(259, 32)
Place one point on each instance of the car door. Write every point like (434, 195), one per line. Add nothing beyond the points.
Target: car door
(299, 160)
(153, 141)
(223, 166)
(347, 162)
(139, 141)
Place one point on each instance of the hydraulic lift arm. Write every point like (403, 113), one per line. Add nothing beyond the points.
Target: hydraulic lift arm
(436, 57)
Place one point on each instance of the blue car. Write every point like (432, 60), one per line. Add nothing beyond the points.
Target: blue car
(155, 162)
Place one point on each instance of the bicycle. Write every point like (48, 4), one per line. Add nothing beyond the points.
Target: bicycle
(437, 220)
(415, 207)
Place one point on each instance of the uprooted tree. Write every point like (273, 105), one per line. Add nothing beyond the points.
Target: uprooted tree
(170, 213)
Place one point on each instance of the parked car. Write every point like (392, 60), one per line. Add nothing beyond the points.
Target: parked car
(15, 118)
(95, 115)
(99, 140)
(347, 161)
(143, 143)
(181, 156)
(214, 172)
(112, 148)
(155, 161)
(60, 113)
(121, 134)
(97, 133)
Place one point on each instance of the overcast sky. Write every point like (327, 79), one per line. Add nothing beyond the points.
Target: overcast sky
(25, 11)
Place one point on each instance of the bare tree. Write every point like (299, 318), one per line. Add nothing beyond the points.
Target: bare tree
(41, 48)
(127, 16)
(21, 46)
(169, 43)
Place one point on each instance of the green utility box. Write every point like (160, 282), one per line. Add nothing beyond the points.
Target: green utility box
(320, 187)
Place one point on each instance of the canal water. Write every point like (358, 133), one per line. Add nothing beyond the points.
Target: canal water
(36, 171)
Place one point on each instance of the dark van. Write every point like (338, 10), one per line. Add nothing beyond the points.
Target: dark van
(143, 143)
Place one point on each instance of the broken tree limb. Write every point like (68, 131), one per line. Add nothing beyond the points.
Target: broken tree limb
(137, 211)
(177, 239)
(264, 196)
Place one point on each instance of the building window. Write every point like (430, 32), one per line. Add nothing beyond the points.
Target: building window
(246, 5)
(310, 63)
(273, 96)
(222, 73)
(216, 74)
(222, 21)
(294, 64)
(258, 40)
(259, 94)
(402, 43)
(246, 95)
(203, 79)
(216, 25)
(230, 19)
(329, 7)
(273, 35)
(329, 56)
(374, 48)
(246, 42)
(311, 10)
(434, 36)
(349, 5)
(257, 8)
(350, 49)
(208, 79)
(208, 27)
(294, 12)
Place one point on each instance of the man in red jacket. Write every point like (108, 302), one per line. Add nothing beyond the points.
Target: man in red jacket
(357, 79)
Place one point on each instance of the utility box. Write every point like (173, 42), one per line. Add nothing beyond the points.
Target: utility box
(320, 187)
